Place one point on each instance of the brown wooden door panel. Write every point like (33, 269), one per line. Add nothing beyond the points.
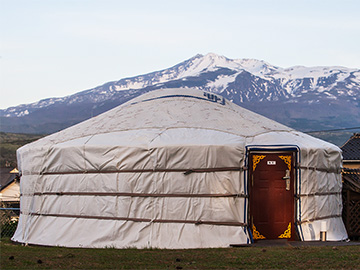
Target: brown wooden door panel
(271, 204)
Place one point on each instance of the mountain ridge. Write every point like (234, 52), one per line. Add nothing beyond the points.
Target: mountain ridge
(287, 95)
(259, 68)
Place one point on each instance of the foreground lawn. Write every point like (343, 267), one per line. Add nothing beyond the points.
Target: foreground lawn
(284, 257)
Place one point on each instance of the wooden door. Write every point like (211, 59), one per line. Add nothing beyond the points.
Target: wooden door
(272, 195)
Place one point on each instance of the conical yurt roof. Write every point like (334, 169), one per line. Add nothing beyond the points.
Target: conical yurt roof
(143, 119)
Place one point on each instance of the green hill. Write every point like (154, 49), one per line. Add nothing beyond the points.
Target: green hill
(9, 143)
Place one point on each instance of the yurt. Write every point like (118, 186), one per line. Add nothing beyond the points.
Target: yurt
(178, 168)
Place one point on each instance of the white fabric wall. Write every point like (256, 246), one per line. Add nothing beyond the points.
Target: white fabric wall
(90, 155)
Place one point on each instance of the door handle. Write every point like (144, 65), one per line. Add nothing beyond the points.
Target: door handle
(287, 175)
(287, 178)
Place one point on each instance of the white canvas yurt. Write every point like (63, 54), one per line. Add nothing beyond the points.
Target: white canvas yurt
(178, 168)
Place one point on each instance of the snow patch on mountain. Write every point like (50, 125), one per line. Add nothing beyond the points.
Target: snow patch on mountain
(221, 82)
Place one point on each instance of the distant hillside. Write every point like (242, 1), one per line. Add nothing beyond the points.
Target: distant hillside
(9, 143)
(337, 137)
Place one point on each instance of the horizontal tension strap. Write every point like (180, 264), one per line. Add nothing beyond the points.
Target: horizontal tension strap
(337, 170)
(125, 194)
(184, 171)
(196, 222)
(317, 194)
(317, 218)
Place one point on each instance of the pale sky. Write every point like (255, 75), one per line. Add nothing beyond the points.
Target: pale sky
(54, 48)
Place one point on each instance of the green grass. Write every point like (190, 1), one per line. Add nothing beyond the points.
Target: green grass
(284, 257)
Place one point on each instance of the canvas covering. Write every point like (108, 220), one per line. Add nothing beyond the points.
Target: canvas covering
(165, 170)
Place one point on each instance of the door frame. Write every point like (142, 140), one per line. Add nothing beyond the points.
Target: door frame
(297, 187)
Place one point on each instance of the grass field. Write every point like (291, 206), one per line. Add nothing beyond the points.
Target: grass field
(277, 257)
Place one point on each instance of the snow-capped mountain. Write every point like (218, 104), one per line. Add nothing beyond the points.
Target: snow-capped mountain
(316, 95)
